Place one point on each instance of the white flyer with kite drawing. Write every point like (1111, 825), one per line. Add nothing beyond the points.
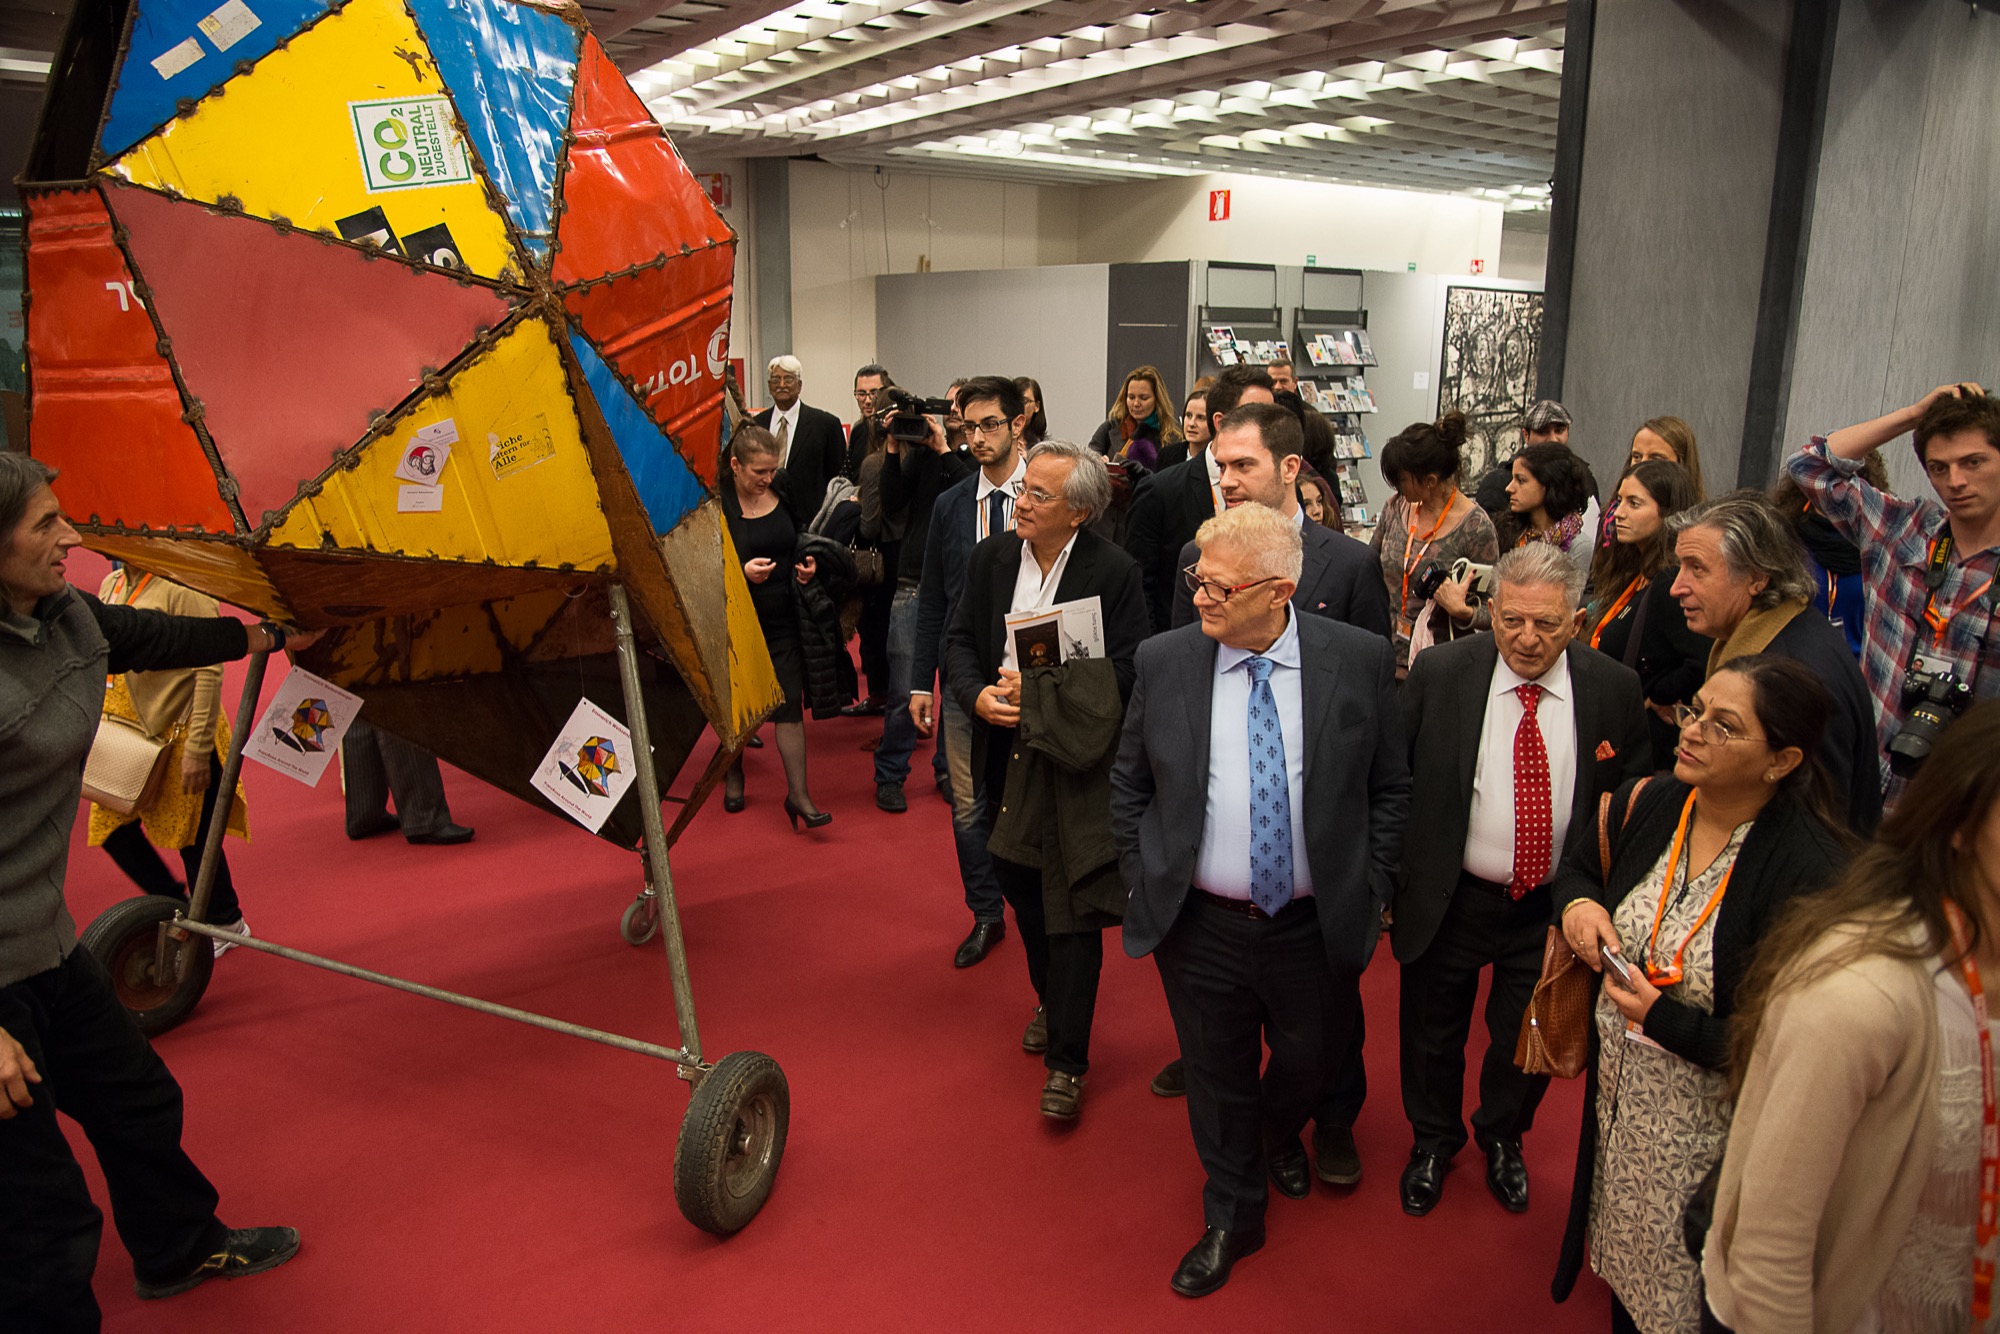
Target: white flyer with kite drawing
(589, 767)
(301, 728)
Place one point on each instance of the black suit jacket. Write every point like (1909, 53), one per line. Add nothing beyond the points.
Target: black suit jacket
(1357, 782)
(1339, 577)
(1444, 707)
(1166, 509)
(1850, 750)
(818, 452)
(973, 644)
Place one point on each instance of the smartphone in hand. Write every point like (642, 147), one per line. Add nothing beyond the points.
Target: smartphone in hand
(1617, 969)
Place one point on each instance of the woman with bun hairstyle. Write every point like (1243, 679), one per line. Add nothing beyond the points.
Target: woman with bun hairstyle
(1552, 498)
(1430, 519)
(1631, 614)
(1671, 440)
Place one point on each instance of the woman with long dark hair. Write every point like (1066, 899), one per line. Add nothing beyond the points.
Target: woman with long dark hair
(1038, 419)
(1851, 1194)
(1551, 498)
(767, 543)
(1632, 614)
(1699, 862)
(1430, 519)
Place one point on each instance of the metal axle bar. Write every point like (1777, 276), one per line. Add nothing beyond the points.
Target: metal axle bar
(674, 1054)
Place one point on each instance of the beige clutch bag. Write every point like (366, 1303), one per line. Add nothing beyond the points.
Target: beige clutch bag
(126, 767)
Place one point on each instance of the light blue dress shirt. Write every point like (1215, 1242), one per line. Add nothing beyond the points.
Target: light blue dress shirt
(1222, 867)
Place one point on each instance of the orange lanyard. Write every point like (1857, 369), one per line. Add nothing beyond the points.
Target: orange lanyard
(1410, 538)
(132, 595)
(1940, 558)
(1989, 1135)
(1671, 974)
(1617, 607)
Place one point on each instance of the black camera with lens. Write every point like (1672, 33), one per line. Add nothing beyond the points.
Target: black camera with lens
(1430, 577)
(1935, 697)
(905, 414)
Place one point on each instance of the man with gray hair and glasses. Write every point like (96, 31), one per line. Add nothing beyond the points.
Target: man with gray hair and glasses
(1513, 737)
(1743, 583)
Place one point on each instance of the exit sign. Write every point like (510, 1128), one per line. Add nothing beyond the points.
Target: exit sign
(1218, 206)
(1312, 259)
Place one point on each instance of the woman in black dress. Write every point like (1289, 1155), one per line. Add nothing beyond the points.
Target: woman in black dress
(1632, 615)
(766, 542)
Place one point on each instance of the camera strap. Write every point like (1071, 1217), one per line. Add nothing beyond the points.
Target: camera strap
(1935, 571)
(1988, 1225)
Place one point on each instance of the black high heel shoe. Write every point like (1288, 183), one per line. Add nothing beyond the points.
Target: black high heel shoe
(817, 820)
(732, 804)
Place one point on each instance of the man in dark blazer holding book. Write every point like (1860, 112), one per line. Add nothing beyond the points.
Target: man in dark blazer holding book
(1050, 558)
(1254, 913)
(1513, 737)
(812, 445)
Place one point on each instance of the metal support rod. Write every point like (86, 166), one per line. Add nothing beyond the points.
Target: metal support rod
(658, 873)
(563, 1026)
(225, 800)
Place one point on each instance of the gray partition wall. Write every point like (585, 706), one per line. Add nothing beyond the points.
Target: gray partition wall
(931, 328)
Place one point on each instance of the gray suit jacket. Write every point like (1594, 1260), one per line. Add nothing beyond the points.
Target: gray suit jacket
(1357, 782)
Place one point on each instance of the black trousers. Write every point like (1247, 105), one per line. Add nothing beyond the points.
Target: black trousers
(1234, 984)
(1064, 967)
(142, 863)
(1346, 1087)
(99, 1070)
(374, 765)
(1482, 928)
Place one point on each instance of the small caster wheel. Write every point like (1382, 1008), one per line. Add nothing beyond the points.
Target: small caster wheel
(641, 920)
(124, 939)
(731, 1142)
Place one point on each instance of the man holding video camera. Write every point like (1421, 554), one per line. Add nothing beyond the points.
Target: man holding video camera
(1927, 564)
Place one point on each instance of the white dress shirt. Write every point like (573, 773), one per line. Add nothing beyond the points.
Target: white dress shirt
(1222, 867)
(1489, 834)
(1214, 477)
(985, 488)
(1033, 592)
(790, 416)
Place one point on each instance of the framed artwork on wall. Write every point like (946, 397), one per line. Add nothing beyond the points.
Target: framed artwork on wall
(1492, 340)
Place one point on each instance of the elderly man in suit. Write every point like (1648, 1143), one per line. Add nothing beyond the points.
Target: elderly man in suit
(1062, 904)
(812, 445)
(1513, 736)
(1253, 913)
(969, 512)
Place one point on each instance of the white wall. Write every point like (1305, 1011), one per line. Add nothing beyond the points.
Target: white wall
(1282, 222)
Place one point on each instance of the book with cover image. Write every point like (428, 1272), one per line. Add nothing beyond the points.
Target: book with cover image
(1052, 636)
(1364, 350)
(1318, 353)
(1222, 344)
(1358, 391)
(1309, 389)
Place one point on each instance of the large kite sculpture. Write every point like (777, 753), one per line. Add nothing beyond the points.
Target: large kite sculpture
(403, 320)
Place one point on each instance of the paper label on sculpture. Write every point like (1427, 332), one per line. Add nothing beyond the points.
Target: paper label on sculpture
(229, 25)
(423, 461)
(589, 767)
(419, 500)
(175, 59)
(520, 450)
(302, 727)
(409, 143)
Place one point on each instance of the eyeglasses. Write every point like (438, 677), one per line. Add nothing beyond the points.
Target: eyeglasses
(1034, 495)
(1714, 732)
(1217, 592)
(993, 426)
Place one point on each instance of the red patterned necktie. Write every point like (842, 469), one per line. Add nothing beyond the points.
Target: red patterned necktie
(1532, 830)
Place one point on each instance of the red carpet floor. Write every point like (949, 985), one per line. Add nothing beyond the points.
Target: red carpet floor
(455, 1172)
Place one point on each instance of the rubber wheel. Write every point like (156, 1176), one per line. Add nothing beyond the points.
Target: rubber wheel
(123, 939)
(641, 920)
(731, 1142)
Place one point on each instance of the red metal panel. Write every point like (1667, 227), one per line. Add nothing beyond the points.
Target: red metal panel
(107, 412)
(292, 343)
(627, 197)
(666, 329)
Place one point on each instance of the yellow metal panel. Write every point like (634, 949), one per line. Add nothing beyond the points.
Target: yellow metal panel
(348, 117)
(516, 487)
(753, 683)
(299, 528)
(225, 572)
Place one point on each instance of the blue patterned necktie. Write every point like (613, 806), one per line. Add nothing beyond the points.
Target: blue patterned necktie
(1270, 797)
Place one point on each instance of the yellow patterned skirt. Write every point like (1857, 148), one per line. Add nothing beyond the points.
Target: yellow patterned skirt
(174, 817)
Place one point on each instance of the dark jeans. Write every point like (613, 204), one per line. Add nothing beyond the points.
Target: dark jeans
(970, 827)
(99, 1070)
(899, 734)
(873, 628)
(143, 865)
(1482, 928)
(1063, 967)
(1235, 983)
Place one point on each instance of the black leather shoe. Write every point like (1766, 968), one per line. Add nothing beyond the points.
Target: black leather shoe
(872, 707)
(445, 834)
(889, 797)
(380, 823)
(1507, 1175)
(1207, 1266)
(1171, 1082)
(1335, 1159)
(1423, 1182)
(985, 935)
(1290, 1172)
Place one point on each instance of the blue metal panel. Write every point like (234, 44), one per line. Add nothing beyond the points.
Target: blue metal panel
(666, 487)
(510, 69)
(185, 49)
